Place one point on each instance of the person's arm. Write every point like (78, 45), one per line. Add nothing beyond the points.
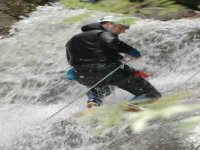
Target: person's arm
(67, 50)
(111, 40)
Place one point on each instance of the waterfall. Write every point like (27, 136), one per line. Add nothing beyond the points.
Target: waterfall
(32, 73)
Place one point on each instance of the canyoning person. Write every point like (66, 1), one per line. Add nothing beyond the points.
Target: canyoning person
(95, 53)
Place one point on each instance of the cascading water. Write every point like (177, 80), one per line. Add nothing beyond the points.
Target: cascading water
(171, 51)
(33, 85)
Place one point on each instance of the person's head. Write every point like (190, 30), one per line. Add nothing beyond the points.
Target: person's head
(113, 24)
(107, 25)
(107, 22)
(119, 28)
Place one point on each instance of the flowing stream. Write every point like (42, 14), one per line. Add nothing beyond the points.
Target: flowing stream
(33, 85)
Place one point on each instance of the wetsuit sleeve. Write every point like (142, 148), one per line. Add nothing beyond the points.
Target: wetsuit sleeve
(111, 41)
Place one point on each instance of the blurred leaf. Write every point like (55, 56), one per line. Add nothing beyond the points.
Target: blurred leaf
(191, 123)
(168, 106)
(127, 7)
(126, 21)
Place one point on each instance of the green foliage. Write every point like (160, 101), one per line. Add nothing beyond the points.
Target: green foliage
(144, 11)
(111, 115)
(77, 18)
(126, 21)
(172, 9)
(119, 19)
(189, 3)
(73, 3)
(147, 8)
(107, 5)
(190, 123)
(163, 3)
(103, 115)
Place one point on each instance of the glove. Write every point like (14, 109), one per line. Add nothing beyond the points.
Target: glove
(134, 53)
(140, 74)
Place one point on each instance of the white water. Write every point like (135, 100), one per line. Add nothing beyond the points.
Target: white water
(33, 64)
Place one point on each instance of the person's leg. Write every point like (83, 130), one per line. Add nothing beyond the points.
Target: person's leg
(138, 87)
(89, 78)
(94, 98)
(97, 94)
(123, 78)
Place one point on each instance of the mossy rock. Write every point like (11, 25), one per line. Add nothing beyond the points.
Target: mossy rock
(162, 9)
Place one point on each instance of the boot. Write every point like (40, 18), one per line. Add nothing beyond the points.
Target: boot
(93, 98)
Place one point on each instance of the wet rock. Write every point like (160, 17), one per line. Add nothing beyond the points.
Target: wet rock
(165, 10)
(10, 11)
(6, 20)
(190, 3)
(164, 15)
(15, 8)
(40, 2)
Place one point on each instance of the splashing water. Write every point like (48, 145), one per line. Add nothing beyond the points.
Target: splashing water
(33, 64)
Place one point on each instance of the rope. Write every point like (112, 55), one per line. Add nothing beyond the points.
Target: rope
(72, 101)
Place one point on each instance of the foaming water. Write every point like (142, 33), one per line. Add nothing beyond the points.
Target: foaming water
(171, 51)
(32, 72)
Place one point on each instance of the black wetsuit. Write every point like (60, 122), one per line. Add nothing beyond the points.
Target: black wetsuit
(95, 52)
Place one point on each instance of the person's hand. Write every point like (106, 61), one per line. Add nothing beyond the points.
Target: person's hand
(134, 53)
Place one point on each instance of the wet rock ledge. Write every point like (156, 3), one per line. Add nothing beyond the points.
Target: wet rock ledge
(11, 10)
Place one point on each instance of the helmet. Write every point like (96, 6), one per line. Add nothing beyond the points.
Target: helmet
(107, 19)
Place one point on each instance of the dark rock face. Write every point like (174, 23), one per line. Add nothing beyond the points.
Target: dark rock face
(190, 3)
(11, 10)
(40, 2)
(167, 9)
(15, 8)
(154, 13)
(5, 22)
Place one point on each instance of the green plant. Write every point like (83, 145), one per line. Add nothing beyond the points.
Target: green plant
(128, 7)
(171, 9)
(111, 115)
